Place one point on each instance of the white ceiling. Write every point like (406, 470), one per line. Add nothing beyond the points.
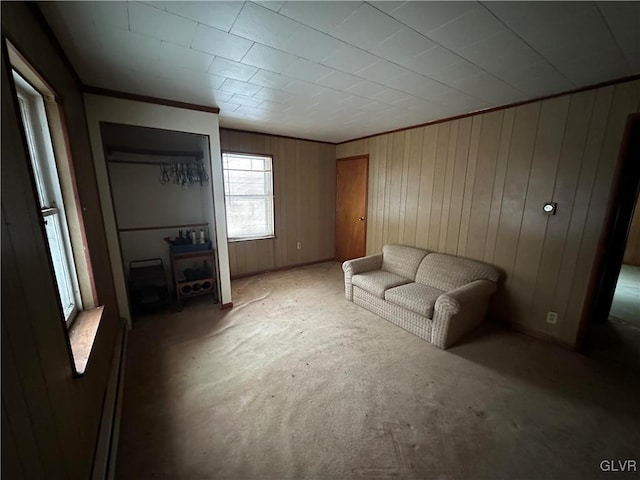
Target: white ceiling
(335, 71)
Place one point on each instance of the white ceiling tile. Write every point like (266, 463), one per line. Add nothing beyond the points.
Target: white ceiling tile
(268, 58)
(250, 111)
(473, 26)
(486, 87)
(264, 78)
(236, 86)
(244, 100)
(418, 104)
(226, 108)
(402, 46)
(275, 6)
(217, 42)
(80, 15)
(595, 65)
(539, 79)
(270, 106)
(338, 80)
(433, 59)
(320, 15)
(623, 19)
(365, 88)
(311, 44)
(300, 87)
(387, 7)
(349, 59)
(114, 40)
(375, 107)
(160, 24)
(205, 82)
(528, 16)
(264, 26)
(500, 52)
(381, 71)
(415, 84)
(545, 48)
(234, 70)
(222, 96)
(390, 95)
(220, 15)
(330, 98)
(426, 16)
(366, 27)
(304, 70)
(175, 55)
(273, 95)
(454, 72)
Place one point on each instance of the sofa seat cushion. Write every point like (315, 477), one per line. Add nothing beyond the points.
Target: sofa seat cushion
(415, 297)
(377, 281)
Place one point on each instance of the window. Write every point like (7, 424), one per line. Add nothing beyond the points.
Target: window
(45, 173)
(248, 195)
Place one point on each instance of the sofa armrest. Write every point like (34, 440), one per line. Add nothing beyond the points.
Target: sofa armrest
(359, 265)
(459, 311)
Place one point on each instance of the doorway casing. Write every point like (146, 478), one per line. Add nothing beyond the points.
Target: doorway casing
(611, 247)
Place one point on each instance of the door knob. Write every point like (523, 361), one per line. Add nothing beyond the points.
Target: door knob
(361, 219)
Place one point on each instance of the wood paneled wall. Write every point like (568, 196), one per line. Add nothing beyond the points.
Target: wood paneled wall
(304, 189)
(632, 251)
(50, 419)
(475, 187)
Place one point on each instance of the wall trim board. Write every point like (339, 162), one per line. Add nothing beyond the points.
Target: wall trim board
(280, 269)
(277, 135)
(105, 92)
(501, 107)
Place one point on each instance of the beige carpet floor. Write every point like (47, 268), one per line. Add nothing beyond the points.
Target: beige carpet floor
(297, 383)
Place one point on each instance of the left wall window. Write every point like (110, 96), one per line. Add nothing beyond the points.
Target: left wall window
(37, 133)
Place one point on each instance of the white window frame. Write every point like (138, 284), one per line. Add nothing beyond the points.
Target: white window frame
(269, 232)
(38, 135)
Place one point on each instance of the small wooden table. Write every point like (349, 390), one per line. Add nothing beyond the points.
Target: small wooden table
(193, 274)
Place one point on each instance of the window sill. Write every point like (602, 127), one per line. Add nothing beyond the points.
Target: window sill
(82, 335)
(249, 239)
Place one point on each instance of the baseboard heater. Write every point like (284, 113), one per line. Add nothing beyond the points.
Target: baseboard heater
(104, 461)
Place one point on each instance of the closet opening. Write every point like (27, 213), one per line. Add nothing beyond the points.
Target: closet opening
(161, 189)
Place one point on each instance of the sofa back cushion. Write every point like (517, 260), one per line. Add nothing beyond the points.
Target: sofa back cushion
(402, 260)
(447, 272)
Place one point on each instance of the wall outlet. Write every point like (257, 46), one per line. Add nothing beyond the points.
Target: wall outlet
(552, 317)
(299, 245)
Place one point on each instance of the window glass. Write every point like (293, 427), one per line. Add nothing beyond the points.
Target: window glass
(248, 186)
(49, 194)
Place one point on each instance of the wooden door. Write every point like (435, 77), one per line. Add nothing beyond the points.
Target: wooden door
(352, 178)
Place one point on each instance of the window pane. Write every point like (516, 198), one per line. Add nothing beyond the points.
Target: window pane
(248, 186)
(60, 264)
(249, 216)
(247, 183)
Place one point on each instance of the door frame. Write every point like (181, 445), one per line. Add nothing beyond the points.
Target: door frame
(613, 240)
(366, 202)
